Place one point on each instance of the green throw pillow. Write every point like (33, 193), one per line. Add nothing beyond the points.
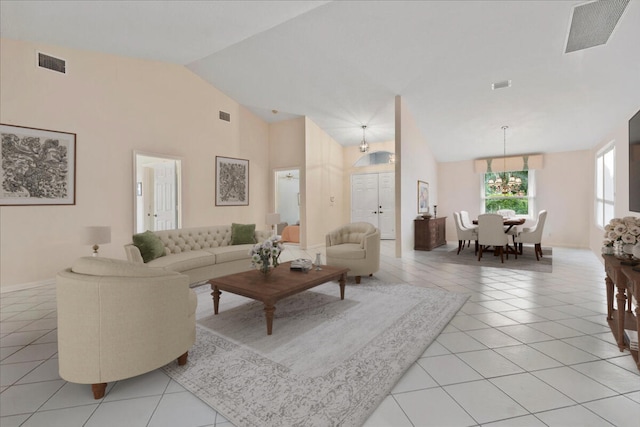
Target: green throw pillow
(242, 234)
(150, 245)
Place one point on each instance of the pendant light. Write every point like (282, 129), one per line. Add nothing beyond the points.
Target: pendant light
(364, 147)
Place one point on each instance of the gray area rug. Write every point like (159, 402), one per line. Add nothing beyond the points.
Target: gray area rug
(329, 362)
(526, 261)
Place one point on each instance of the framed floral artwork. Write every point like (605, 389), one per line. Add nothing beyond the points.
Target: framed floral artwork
(423, 197)
(232, 182)
(37, 166)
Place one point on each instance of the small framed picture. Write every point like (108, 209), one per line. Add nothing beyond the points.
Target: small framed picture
(37, 166)
(423, 197)
(232, 181)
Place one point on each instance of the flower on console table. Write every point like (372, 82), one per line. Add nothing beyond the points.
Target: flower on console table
(622, 231)
(266, 253)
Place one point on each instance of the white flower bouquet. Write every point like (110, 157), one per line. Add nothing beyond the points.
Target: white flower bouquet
(266, 254)
(622, 231)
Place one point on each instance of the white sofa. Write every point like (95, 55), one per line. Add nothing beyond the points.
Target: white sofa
(118, 319)
(202, 253)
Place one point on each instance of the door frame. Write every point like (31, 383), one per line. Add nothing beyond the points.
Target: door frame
(138, 158)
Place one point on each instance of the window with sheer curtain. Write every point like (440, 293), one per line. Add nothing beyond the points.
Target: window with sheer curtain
(605, 185)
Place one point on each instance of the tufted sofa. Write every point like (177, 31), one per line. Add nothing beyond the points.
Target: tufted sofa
(202, 253)
(355, 246)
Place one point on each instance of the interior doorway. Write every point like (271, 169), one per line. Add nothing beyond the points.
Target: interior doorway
(287, 194)
(157, 192)
(373, 201)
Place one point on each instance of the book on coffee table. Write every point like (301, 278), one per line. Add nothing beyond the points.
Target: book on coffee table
(301, 264)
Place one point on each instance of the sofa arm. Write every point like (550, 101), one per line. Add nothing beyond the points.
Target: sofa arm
(133, 253)
(372, 246)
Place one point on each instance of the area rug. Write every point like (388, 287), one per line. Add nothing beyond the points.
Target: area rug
(526, 261)
(329, 362)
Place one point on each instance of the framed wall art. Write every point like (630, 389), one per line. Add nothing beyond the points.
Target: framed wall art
(423, 197)
(232, 182)
(37, 166)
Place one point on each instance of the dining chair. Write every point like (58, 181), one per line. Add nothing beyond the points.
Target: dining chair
(466, 220)
(532, 235)
(491, 233)
(464, 234)
(506, 213)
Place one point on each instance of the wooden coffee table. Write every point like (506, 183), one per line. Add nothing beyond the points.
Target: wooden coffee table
(280, 283)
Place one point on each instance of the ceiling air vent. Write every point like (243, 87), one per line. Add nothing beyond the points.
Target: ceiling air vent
(592, 23)
(501, 85)
(225, 116)
(51, 63)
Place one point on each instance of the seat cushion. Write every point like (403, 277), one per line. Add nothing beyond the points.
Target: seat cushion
(346, 251)
(230, 253)
(184, 261)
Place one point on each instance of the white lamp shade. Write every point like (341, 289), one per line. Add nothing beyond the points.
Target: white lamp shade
(273, 218)
(97, 235)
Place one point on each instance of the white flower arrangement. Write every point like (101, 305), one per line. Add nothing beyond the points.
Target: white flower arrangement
(622, 231)
(266, 253)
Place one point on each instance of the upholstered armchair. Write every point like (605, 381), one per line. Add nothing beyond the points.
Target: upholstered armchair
(533, 235)
(355, 246)
(118, 319)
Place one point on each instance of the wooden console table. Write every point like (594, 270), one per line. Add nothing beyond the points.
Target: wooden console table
(628, 283)
(429, 233)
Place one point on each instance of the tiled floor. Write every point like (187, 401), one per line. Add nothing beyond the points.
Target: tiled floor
(527, 349)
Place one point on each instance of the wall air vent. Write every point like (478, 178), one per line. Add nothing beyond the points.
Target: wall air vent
(52, 63)
(225, 116)
(501, 85)
(592, 23)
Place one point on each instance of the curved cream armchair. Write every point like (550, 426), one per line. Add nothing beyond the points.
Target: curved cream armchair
(117, 319)
(355, 246)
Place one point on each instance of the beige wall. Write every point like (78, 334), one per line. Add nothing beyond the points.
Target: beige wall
(116, 105)
(323, 199)
(415, 162)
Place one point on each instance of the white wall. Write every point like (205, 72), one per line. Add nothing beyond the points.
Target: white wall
(620, 137)
(414, 162)
(116, 105)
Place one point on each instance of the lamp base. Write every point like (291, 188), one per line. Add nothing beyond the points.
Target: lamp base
(95, 250)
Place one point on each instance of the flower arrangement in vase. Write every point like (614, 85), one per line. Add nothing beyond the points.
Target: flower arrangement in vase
(622, 234)
(265, 255)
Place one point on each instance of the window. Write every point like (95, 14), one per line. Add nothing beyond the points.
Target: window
(605, 185)
(518, 197)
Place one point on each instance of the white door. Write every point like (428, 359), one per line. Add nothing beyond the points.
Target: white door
(364, 198)
(387, 205)
(164, 196)
(373, 201)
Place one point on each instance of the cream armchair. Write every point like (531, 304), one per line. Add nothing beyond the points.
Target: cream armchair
(533, 235)
(118, 319)
(355, 246)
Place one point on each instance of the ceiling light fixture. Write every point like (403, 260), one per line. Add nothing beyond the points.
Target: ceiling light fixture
(505, 183)
(364, 147)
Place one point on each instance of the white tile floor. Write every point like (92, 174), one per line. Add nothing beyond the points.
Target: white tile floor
(527, 349)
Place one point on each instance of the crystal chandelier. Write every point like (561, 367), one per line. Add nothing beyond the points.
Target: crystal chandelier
(364, 147)
(505, 183)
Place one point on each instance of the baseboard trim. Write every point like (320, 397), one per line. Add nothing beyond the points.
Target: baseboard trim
(23, 286)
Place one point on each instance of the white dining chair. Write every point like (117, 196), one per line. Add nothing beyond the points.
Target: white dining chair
(464, 234)
(466, 220)
(491, 233)
(533, 235)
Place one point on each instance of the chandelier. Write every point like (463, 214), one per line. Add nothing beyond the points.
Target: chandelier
(505, 183)
(364, 147)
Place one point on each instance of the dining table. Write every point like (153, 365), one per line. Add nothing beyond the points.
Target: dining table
(509, 223)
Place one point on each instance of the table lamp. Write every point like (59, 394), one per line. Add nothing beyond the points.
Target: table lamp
(97, 235)
(272, 220)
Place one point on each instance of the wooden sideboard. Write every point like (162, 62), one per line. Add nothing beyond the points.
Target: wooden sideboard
(622, 317)
(430, 233)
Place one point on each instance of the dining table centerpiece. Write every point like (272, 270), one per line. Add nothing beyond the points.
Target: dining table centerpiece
(265, 255)
(622, 234)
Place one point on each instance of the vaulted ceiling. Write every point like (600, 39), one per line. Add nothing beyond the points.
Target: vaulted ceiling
(341, 63)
